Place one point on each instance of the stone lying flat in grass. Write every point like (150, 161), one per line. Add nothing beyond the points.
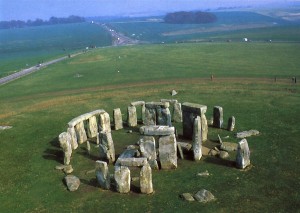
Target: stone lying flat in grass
(203, 174)
(204, 196)
(223, 155)
(187, 197)
(72, 182)
(5, 127)
(245, 134)
(229, 147)
(185, 146)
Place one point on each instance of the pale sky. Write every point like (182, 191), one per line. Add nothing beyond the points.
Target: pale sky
(32, 9)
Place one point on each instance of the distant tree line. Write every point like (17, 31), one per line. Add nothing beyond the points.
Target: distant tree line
(40, 22)
(184, 17)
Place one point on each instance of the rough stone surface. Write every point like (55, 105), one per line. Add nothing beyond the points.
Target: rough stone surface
(245, 134)
(168, 152)
(136, 162)
(231, 124)
(204, 128)
(172, 101)
(157, 130)
(106, 147)
(146, 180)
(189, 112)
(163, 116)
(92, 127)
(150, 116)
(187, 197)
(185, 146)
(213, 152)
(104, 122)
(180, 152)
(129, 153)
(243, 154)
(88, 147)
(102, 174)
(173, 92)
(204, 196)
(218, 116)
(80, 132)
(177, 113)
(122, 179)
(148, 150)
(131, 116)
(223, 155)
(73, 135)
(65, 144)
(72, 182)
(68, 169)
(137, 103)
(197, 139)
(118, 122)
(229, 147)
(84, 117)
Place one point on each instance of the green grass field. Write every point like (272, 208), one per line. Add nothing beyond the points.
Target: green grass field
(25, 47)
(40, 105)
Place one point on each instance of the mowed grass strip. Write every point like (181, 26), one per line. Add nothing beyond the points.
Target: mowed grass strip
(40, 105)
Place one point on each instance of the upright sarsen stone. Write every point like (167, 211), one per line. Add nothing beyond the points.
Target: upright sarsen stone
(146, 180)
(218, 116)
(80, 132)
(148, 150)
(231, 124)
(177, 113)
(163, 116)
(204, 127)
(92, 127)
(131, 116)
(106, 147)
(73, 136)
(65, 144)
(102, 174)
(122, 179)
(105, 122)
(118, 119)
(150, 116)
(197, 139)
(168, 152)
(243, 154)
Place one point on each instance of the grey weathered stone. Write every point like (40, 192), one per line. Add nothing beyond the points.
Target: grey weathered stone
(163, 117)
(177, 113)
(80, 132)
(179, 150)
(135, 162)
(203, 174)
(220, 140)
(173, 92)
(231, 123)
(73, 135)
(150, 116)
(60, 167)
(122, 179)
(172, 101)
(106, 147)
(157, 130)
(129, 153)
(105, 122)
(88, 147)
(118, 122)
(187, 197)
(137, 103)
(245, 134)
(146, 180)
(72, 182)
(5, 127)
(154, 105)
(102, 174)
(197, 139)
(131, 116)
(218, 116)
(223, 155)
(213, 152)
(65, 144)
(229, 147)
(204, 128)
(189, 112)
(243, 154)
(204, 196)
(68, 169)
(168, 152)
(148, 150)
(92, 127)
(84, 117)
(185, 146)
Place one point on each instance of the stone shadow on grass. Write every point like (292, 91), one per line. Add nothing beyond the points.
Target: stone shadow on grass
(92, 182)
(55, 153)
(221, 162)
(84, 152)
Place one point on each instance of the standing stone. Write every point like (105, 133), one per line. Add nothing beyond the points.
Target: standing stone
(197, 139)
(204, 128)
(143, 113)
(148, 150)
(72, 133)
(243, 155)
(168, 152)
(122, 179)
(131, 116)
(65, 144)
(102, 174)
(177, 113)
(92, 127)
(80, 132)
(231, 124)
(88, 147)
(105, 122)
(72, 182)
(146, 180)
(150, 116)
(106, 147)
(118, 119)
(163, 116)
(189, 112)
(218, 116)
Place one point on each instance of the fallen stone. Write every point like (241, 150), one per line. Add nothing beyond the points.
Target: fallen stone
(180, 152)
(243, 154)
(205, 151)
(60, 167)
(102, 174)
(135, 179)
(213, 152)
(223, 155)
(146, 180)
(245, 134)
(157, 130)
(185, 146)
(129, 131)
(172, 101)
(137, 103)
(122, 179)
(5, 127)
(231, 124)
(218, 116)
(220, 140)
(204, 196)
(187, 197)
(203, 174)
(229, 147)
(130, 152)
(173, 92)
(72, 182)
(136, 162)
(68, 169)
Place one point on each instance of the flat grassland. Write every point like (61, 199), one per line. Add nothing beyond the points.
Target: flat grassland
(40, 105)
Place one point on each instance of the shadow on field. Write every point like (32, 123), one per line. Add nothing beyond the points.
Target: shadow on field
(54, 153)
(84, 152)
(219, 161)
(92, 182)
